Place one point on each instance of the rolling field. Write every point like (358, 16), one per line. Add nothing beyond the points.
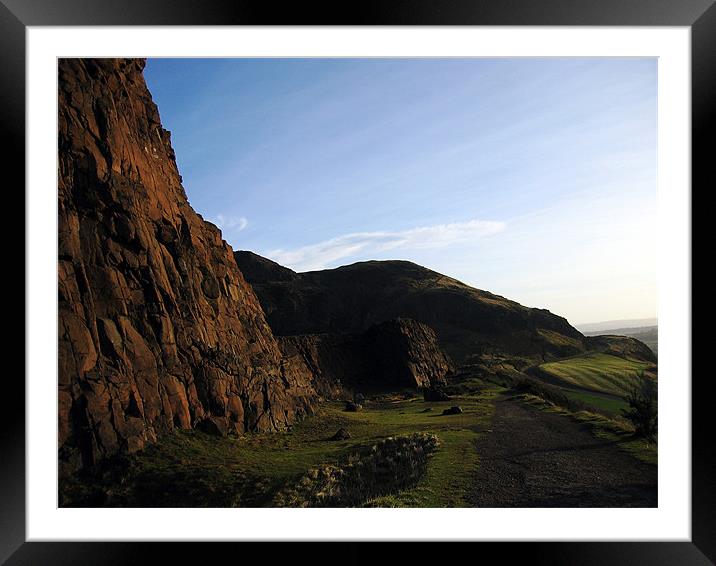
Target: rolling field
(596, 371)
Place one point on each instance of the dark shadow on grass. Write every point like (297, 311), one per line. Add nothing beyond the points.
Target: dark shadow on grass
(576, 448)
(619, 496)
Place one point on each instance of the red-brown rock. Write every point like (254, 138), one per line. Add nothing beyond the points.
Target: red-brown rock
(157, 327)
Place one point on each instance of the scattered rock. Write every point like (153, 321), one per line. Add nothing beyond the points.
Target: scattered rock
(456, 410)
(353, 407)
(427, 410)
(341, 434)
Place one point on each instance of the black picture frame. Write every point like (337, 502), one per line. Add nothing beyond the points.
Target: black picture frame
(16, 15)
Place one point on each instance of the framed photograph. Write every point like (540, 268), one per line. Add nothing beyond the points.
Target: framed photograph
(420, 273)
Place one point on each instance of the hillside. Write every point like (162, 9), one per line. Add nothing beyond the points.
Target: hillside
(469, 323)
(649, 335)
(600, 372)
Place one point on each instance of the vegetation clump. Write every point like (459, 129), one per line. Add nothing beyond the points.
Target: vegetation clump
(642, 411)
(549, 393)
(388, 466)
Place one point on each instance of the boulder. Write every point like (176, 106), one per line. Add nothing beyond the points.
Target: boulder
(341, 434)
(453, 411)
(353, 407)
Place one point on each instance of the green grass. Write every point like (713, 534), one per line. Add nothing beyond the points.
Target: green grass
(611, 429)
(606, 404)
(190, 468)
(597, 371)
(449, 474)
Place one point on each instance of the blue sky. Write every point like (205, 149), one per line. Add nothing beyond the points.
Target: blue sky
(531, 178)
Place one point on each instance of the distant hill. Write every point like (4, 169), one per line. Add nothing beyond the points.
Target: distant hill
(649, 335)
(609, 326)
(469, 323)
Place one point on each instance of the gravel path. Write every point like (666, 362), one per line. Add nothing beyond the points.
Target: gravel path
(537, 459)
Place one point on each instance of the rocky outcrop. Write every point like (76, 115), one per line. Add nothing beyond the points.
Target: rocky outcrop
(405, 353)
(394, 354)
(157, 327)
(470, 324)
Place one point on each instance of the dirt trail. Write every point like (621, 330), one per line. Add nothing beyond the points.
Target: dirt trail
(537, 459)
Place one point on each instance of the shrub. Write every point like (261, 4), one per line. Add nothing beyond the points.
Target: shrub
(642, 411)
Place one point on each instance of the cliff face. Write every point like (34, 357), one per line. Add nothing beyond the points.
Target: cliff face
(400, 353)
(157, 327)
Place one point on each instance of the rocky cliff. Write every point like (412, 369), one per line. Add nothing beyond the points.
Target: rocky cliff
(157, 327)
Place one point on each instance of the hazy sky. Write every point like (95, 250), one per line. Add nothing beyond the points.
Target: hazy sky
(531, 178)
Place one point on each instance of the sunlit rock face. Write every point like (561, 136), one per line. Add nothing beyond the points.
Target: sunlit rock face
(157, 327)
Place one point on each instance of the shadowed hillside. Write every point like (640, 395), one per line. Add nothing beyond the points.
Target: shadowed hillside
(469, 322)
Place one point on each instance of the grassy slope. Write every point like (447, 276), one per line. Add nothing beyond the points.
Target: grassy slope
(607, 404)
(189, 468)
(596, 371)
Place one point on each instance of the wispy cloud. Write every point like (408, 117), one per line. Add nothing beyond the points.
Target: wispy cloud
(231, 223)
(323, 254)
